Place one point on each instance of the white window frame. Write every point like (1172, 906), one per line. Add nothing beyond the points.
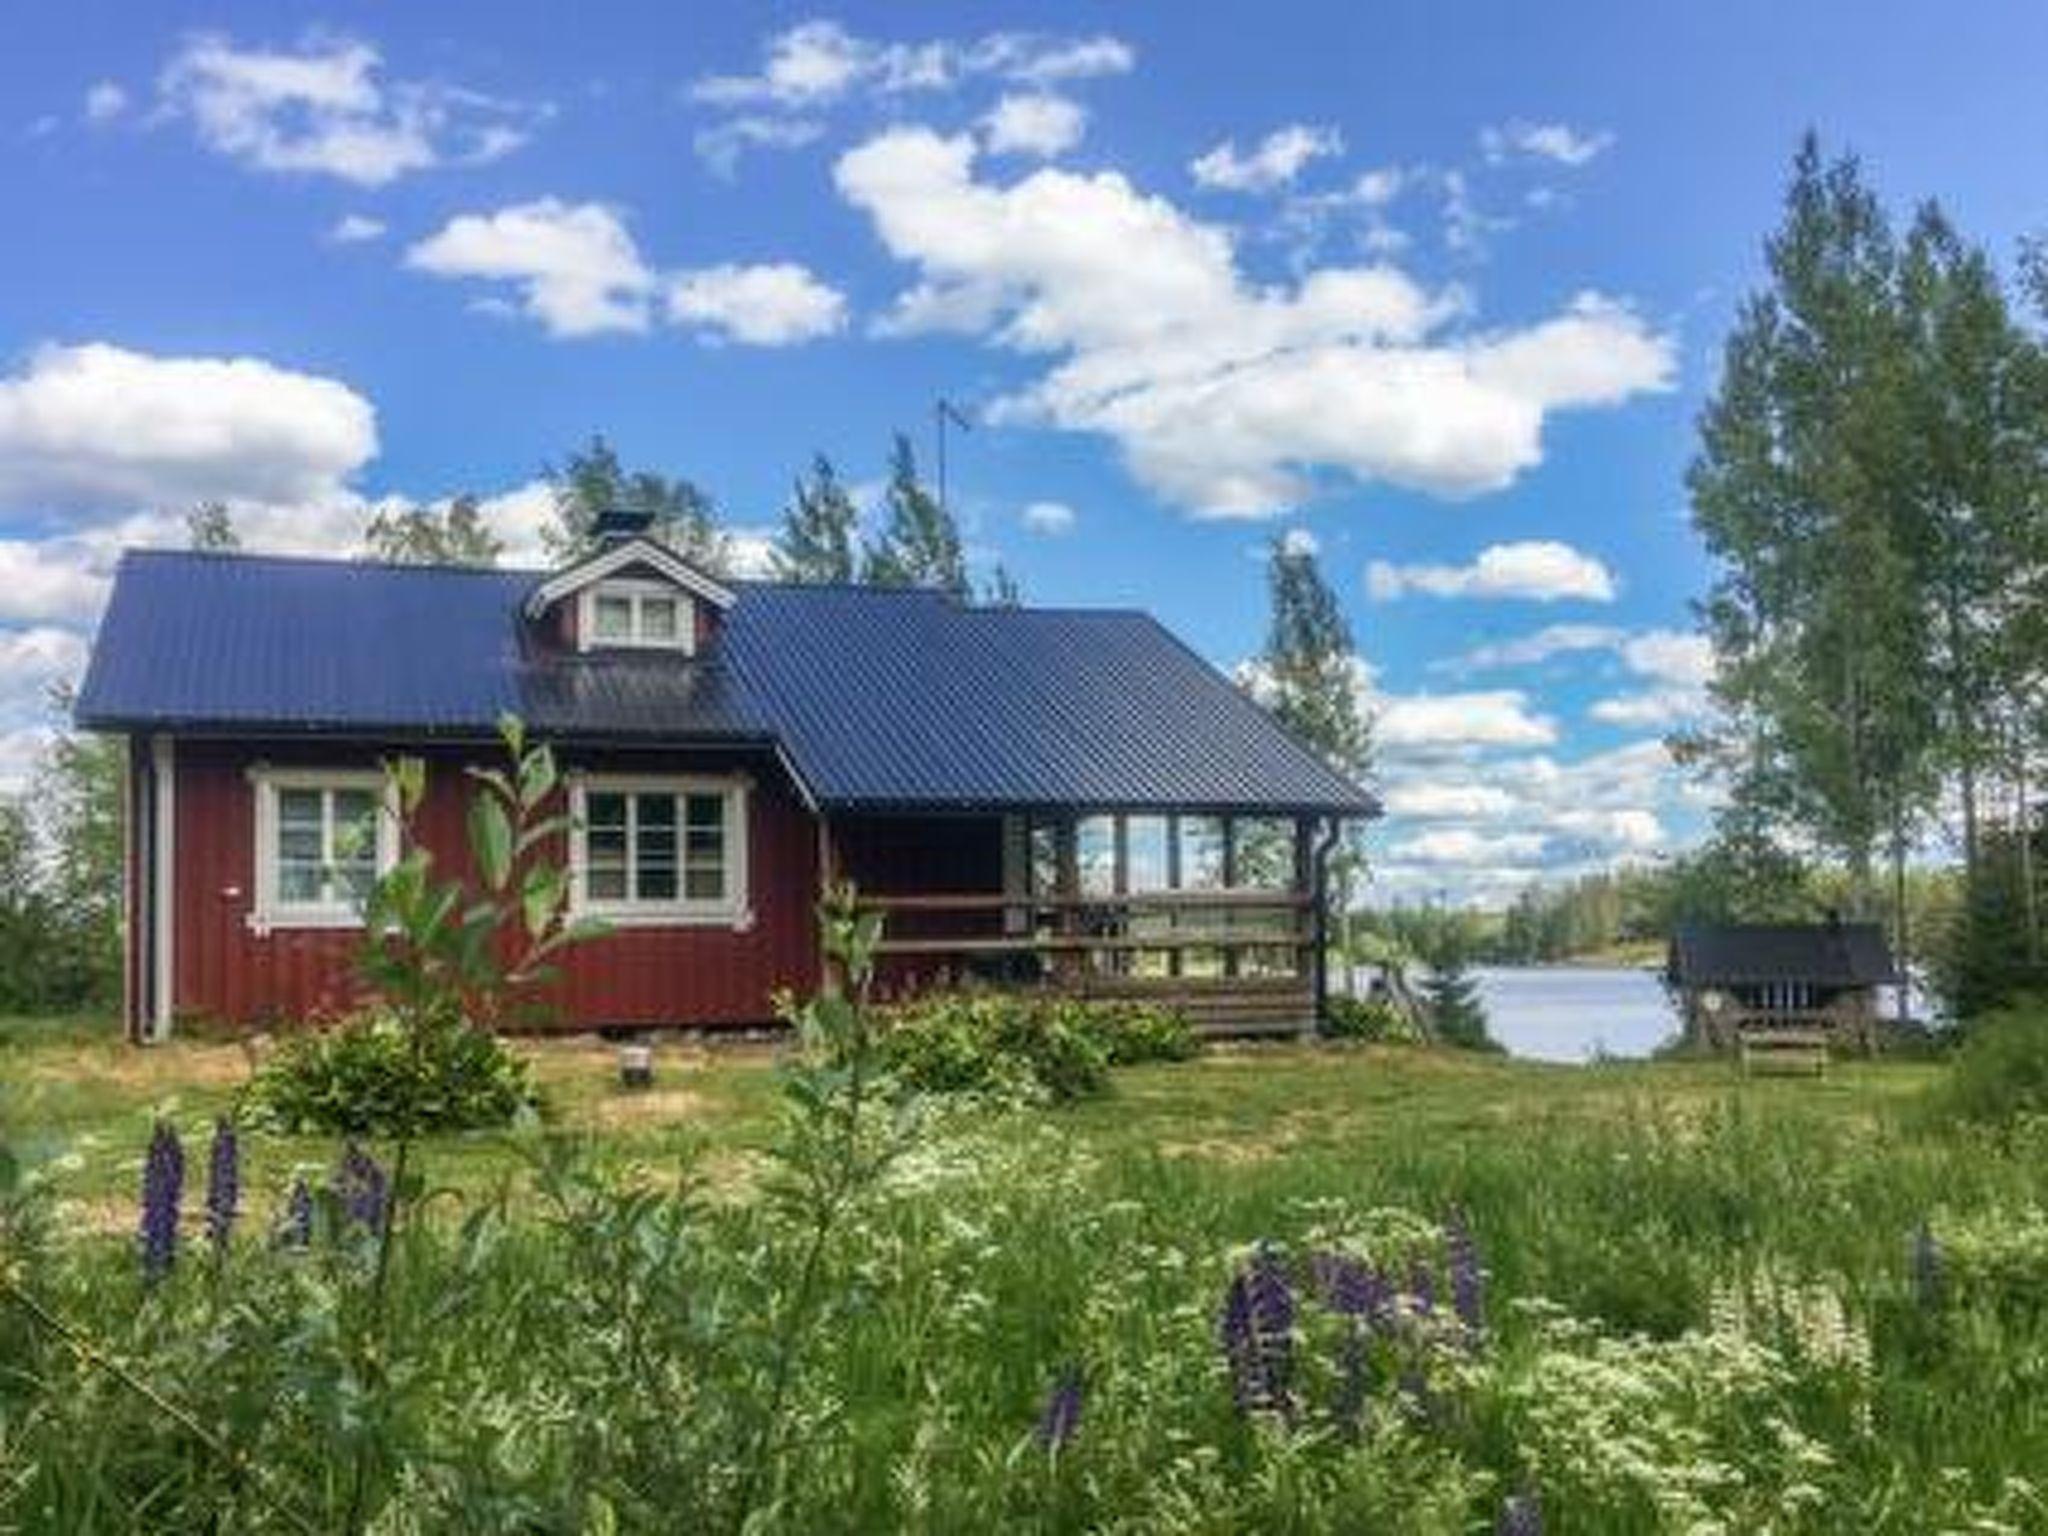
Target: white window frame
(269, 910)
(731, 910)
(636, 591)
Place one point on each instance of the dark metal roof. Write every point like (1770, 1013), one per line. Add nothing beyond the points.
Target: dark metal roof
(1736, 954)
(877, 697)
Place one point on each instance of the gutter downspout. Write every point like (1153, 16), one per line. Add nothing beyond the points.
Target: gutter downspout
(1325, 845)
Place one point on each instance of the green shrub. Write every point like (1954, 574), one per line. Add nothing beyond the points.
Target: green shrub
(1368, 1019)
(1027, 1046)
(1135, 1033)
(2001, 1072)
(368, 1077)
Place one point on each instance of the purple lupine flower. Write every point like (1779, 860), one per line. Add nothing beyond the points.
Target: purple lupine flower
(1422, 1286)
(1347, 1286)
(1062, 1415)
(363, 1190)
(163, 1189)
(295, 1229)
(1927, 1268)
(1258, 1333)
(1468, 1280)
(1520, 1515)
(223, 1184)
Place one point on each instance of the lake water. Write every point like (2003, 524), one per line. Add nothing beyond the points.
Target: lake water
(1570, 1013)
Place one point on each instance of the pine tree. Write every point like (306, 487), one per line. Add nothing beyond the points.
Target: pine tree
(209, 527)
(920, 546)
(417, 535)
(817, 539)
(593, 481)
(1457, 1015)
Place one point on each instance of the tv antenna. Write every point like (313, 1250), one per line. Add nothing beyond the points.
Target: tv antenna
(945, 412)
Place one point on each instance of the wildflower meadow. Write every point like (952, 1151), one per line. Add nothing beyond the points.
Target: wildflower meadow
(1277, 1290)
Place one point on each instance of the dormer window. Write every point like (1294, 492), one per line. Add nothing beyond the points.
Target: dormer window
(631, 594)
(636, 613)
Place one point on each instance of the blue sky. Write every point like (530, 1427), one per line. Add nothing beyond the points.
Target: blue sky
(1438, 286)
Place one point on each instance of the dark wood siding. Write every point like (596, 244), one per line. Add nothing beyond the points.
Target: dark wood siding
(922, 856)
(641, 976)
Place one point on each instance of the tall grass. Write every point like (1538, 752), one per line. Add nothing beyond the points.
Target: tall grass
(1710, 1316)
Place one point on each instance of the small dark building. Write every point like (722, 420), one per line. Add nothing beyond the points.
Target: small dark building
(1729, 978)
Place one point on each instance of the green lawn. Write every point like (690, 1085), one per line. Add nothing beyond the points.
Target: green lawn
(1702, 1305)
(76, 1086)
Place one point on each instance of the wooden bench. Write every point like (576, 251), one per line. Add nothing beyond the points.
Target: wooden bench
(1782, 1050)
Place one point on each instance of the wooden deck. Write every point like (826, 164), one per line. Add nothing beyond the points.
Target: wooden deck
(1234, 962)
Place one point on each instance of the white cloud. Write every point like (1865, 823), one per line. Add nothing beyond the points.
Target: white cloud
(324, 109)
(1631, 830)
(42, 580)
(1559, 143)
(576, 266)
(1378, 187)
(105, 101)
(1034, 124)
(722, 145)
(1228, 397)
(1671, 656)
(1434, 800)
(1300, 541)
(579, 272)
(1460, 845)
(1434, 722)
(1535, 649)
(1540, 570)
(355, 228)
(750, 554)
(98, 425)
(1048, 517)
(1273, 163)
(32, 659)
(1650, 708)
(818, 63)
(765, 306)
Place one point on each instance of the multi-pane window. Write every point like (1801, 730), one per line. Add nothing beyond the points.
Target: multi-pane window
(321, 842)
(638, 613)
(660, 849)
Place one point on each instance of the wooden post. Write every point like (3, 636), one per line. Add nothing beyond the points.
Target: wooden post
(1230, 966)
(829, 980)
(1066, 842)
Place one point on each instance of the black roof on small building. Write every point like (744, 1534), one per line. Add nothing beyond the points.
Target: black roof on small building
(1830, 954)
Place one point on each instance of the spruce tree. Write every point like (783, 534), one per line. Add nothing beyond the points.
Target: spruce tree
(1457, 1015)
(816, 543)
(920, 545)
(594, 481)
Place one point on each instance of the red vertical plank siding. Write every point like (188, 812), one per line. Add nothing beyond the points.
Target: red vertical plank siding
(639, 976)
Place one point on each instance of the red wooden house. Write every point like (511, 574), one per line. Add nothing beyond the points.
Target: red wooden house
(1035, 796)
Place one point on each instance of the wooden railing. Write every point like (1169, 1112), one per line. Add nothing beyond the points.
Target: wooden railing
(1213, 944)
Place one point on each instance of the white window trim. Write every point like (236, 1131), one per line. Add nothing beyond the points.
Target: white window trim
(635, 551)
(731, 911)
(268, 911)
(635, 590)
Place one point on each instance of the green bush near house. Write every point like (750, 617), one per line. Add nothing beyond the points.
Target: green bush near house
(369, 1076)
(1027, 1046)
(1370, 1020)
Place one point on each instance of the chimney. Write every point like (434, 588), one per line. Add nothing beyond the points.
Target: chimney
(619, 525)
